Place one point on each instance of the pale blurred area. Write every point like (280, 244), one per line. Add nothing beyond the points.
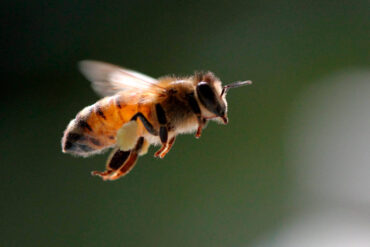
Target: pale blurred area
(327, 147)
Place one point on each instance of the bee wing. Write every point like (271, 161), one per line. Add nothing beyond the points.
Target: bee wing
(108, 79)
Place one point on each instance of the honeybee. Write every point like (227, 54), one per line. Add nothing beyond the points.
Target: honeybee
(137, 111)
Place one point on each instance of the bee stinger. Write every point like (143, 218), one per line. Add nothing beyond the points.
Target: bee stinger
(137, 111)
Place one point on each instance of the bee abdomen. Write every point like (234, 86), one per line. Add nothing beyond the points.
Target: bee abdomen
(93, 129)
(74, 143)
(77, 141)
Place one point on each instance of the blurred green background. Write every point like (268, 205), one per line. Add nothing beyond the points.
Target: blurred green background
(225, 189)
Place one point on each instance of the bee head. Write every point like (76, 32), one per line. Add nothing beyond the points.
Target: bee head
(212, 95)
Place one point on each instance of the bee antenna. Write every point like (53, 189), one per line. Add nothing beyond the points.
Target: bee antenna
(234, 85)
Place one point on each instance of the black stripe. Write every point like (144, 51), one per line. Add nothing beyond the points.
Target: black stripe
(100, 112)
(84, 147)
(74, 137)
(84, 125)
(95, 141)
(67, 145)
(118, 103)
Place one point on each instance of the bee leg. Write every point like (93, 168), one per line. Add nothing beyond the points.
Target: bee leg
(165, 149)
(148, 126)
(115, 160)
(201, 123)
(129, 163)
(103, 174)
(163, 135)
(196, 110)
(127, 134)
(163, 130)
(144, 148)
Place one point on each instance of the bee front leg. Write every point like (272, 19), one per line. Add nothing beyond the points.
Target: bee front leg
(201, 123)
(196, 110)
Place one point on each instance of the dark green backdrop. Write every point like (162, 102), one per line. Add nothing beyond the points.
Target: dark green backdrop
(224, 189)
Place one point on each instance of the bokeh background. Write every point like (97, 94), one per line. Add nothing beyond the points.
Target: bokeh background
(290, 169)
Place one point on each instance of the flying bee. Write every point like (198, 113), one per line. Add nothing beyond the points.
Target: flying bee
(137, 111)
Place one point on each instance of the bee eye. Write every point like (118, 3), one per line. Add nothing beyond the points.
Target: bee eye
(208, 98)
(205, 90)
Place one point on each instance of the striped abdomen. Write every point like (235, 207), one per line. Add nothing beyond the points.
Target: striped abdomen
(95, 127)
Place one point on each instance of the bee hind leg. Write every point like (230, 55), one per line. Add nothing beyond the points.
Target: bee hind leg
(115, 160)
(144, 148)
(129, 163)
(121, 162)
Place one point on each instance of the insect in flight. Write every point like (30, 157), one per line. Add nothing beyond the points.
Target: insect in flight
(137, 111)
